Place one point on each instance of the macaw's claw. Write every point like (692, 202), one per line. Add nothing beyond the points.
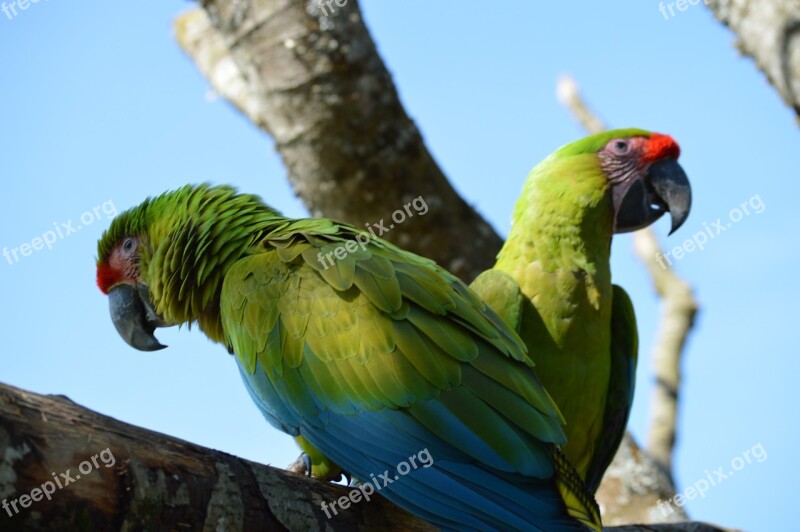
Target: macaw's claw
(301, 466)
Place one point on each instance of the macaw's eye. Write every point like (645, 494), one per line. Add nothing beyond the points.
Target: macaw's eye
(621, 147)
(127, 246)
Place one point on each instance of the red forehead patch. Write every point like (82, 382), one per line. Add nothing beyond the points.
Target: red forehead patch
(660, 146)
(107, 277)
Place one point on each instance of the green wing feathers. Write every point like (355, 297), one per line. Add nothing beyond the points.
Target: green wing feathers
(382, 329)
(502, 293)
(624, 356)
(578, 499)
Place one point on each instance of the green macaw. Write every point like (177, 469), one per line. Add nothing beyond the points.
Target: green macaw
(552, 279)
(367, 354)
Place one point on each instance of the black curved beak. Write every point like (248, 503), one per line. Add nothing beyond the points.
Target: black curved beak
(641, 202)
(134, 317)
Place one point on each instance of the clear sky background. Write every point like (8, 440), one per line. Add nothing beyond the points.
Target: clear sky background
(98, 106)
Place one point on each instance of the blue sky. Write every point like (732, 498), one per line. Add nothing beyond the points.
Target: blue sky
(99, 109)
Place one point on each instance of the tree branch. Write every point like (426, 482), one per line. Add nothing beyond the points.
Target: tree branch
(769, 32)
(677, 321)
(154, 482)
(144, 480)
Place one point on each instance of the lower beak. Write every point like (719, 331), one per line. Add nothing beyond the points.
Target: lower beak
(134, 316)
(664, 188)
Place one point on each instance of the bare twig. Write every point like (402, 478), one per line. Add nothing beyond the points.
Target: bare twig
(677, 319)
(569, 95)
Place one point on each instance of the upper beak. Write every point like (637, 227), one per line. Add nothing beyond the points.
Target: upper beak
(134, 317)
(641, 202)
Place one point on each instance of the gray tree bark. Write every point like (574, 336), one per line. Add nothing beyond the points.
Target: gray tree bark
(317, 85)
(768, 31)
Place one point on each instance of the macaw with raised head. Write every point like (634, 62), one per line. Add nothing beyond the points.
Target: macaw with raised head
(366, 353)
(552, 279)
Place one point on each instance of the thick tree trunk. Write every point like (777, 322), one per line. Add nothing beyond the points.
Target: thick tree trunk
(114, 476)
(317, 85)
(769, 32)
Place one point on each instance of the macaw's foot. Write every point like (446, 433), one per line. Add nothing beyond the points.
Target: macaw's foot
(302, 465)
(324, 470)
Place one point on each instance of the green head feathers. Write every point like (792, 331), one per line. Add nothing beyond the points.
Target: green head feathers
(178, 246)
(188, 204)
(596, 142)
